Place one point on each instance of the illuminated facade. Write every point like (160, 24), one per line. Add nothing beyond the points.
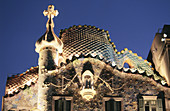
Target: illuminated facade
(83, 71)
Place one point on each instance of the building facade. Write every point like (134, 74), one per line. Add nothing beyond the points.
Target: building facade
(81, 70)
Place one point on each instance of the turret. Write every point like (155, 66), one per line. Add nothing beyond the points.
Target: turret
(49, 47)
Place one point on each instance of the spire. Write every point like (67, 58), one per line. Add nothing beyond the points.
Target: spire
(49, 38)
(50, 13)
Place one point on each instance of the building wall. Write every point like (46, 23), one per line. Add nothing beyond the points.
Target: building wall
(25, 99)
(160, 53)
(126, 86)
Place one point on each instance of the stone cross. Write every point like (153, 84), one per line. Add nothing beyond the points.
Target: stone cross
(50, 12)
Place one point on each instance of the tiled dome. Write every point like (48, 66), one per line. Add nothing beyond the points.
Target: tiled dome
(86, 40)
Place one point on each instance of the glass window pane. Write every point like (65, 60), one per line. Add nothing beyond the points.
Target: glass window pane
(146, 108)
(118, 105)
(58, 105)
(68, 106)
(146, 103)
(107, 106)
(62, 105)
(153, 102)
(112, 105)
(153, 108)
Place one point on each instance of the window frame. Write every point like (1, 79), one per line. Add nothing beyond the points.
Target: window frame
(115, 99)
(69, 98)
(157, 100)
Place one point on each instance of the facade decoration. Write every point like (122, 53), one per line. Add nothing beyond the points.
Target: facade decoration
(83, 71)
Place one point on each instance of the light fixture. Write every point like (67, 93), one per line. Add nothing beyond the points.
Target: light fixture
(165, 35)
(163, 39)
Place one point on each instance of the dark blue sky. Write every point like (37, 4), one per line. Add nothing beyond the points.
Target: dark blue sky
(132, 24)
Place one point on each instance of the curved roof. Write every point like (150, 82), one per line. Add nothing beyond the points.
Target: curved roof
(86, 40)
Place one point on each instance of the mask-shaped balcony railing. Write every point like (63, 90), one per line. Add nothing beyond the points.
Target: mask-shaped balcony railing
(87, 91)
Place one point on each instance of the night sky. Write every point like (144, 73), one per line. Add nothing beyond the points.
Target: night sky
(131, 24)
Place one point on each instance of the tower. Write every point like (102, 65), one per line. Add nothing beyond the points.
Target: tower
(159, 53)
(49, 47)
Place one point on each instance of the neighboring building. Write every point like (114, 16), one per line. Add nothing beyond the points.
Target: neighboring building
(82, 71)
(159, 54)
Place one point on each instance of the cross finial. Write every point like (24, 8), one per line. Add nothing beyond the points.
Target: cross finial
(50, 12)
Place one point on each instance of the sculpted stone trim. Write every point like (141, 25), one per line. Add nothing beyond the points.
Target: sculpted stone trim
(149, 97)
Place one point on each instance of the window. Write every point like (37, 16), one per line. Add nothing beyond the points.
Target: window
(112, 104)
(62, 103)
(150, 103)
